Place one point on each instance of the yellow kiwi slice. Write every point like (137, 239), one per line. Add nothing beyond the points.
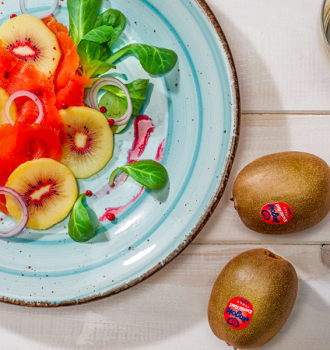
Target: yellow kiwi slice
(13, 111)
(49, 189)
(30, 40)
(89, 141)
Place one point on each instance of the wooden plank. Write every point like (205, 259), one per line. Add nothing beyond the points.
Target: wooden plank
(169, 310)
(276, 54)
(262, 135)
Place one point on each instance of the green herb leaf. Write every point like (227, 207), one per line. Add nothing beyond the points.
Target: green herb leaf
(138, 91)
(83, 15)
(96, 67)
(154, 60)
(99, 35)
(105, 52)
(112, 18)
(80, 226)
(115, 100)
(88, 52)
(148, 173)
(115, 109)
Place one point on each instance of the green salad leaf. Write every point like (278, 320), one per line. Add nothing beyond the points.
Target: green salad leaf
(148, 173)
(154, 60)
(114, 19)
(87, 29)
(97, 67)
(99, 35)
(104, 51)
(83, 15)
(115, 100)
(137, 89)
(80, 226)
(115, 109)
(88, 51)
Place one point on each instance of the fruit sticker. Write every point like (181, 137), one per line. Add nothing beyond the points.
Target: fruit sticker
(238, 313)
(276, 213)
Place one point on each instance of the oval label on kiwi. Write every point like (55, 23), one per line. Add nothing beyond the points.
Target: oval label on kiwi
(238, 313)
(276, 213)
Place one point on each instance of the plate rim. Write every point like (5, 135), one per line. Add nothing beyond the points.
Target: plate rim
(209, 210)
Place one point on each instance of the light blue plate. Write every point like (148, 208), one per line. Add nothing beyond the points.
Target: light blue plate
(196, 108)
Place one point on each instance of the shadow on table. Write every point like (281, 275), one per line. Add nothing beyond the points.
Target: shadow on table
(310, 314)
(154, 311)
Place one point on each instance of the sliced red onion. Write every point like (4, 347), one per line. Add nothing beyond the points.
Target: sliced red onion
(115, 82)
(24, 93)
(44, 15)
(20, 226)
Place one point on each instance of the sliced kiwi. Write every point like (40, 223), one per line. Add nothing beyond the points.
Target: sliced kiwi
(3, 101)
(49, 189)
(30, 40)
(89, 141)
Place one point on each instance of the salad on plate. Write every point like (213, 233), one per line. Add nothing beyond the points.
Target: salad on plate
(54, 126)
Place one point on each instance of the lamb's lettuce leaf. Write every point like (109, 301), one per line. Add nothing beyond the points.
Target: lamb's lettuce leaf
(83, 15)
(154, 60)
(114, 19)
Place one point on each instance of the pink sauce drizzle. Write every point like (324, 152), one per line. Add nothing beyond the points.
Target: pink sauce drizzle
(119, 210)
(143, 128)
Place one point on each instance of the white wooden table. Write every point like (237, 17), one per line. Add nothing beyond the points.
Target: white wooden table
(285, 92)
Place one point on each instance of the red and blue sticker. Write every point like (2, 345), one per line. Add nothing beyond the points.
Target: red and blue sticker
(276, 213)
(238, 313)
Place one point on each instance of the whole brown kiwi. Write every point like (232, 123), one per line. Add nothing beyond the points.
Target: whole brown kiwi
(262, 279)
(298, 179)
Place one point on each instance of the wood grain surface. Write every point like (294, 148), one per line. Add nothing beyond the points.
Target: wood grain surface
(285, 93)
(169, 310)
(276, 55)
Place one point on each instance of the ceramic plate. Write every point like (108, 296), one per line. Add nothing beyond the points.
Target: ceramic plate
(195, 109)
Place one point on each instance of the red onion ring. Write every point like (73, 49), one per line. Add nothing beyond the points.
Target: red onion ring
(115, 82)
(20, 226)
(44, 15)
(24, 93)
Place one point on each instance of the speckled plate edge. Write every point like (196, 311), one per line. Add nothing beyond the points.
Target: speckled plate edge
(236, 115)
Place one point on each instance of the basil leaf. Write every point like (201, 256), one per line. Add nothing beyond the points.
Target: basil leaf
(99, 35)
(148, 173)
(138, 91)
(112, 18)
(80, 226)
(83, 15)
(154, 60)
(97, 67)
(115, 109)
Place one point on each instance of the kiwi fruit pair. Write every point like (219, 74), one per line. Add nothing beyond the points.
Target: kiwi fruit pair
(252, 299)
(283, 193)
(29, 39)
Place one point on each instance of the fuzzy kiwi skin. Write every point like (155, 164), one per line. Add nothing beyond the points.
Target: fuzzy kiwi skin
(266, 280)
(301, 180)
